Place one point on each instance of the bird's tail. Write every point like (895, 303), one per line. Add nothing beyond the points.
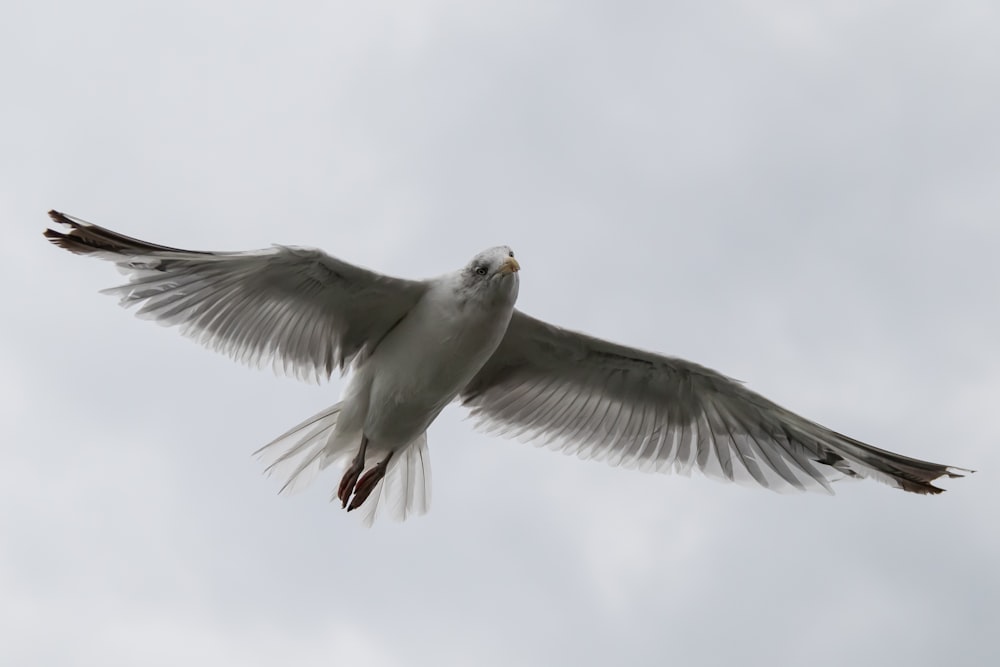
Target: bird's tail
(405, 490)
(299, 454)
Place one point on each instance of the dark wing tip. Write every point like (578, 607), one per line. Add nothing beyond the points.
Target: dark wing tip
(58, 238)
(924, 486)
(63, 219)
(85, 237)
(62, 239)
(78, 239)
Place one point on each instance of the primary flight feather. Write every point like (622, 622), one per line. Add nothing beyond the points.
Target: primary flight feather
(415, 346)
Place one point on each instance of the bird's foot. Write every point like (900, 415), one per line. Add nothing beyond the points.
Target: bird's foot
(350, 479)
(348, 482)
(366, 484)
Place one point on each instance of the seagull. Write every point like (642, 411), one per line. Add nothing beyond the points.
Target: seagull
(412, 347)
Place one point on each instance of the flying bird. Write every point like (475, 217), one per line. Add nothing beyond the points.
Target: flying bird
(412, 347)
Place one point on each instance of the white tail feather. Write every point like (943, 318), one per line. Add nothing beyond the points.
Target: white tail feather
(299, 454)
(405, 490)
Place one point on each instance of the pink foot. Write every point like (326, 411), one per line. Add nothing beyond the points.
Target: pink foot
(366, 484)
(350, 478)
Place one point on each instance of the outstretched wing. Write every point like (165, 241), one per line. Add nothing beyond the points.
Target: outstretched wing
(302, 310)
(596, 399)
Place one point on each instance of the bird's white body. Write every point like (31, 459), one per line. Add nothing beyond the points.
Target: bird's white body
(421, 365)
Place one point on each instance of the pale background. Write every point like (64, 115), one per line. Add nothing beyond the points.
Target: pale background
(803, 195)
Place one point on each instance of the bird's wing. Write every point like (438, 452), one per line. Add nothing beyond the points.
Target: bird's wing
(596, 399)
(300, 309)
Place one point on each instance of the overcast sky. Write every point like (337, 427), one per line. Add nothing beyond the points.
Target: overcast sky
(802, 195)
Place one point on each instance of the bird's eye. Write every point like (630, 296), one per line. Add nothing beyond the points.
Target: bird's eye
(481, 270)
(511, 254)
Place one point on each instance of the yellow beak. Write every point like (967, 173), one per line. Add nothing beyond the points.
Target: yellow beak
(510, 265)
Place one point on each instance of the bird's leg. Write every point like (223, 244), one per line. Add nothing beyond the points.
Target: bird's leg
(366, 484)
(350, 478)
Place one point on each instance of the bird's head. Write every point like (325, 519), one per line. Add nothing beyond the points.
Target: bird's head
(492, 272)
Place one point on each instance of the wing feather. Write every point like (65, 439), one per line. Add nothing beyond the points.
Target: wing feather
(300, 310)
(599, 400)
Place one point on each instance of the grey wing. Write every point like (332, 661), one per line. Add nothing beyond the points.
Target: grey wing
(301, 309)
(596, 399)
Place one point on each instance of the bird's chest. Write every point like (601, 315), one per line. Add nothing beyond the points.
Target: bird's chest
(427, 359)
